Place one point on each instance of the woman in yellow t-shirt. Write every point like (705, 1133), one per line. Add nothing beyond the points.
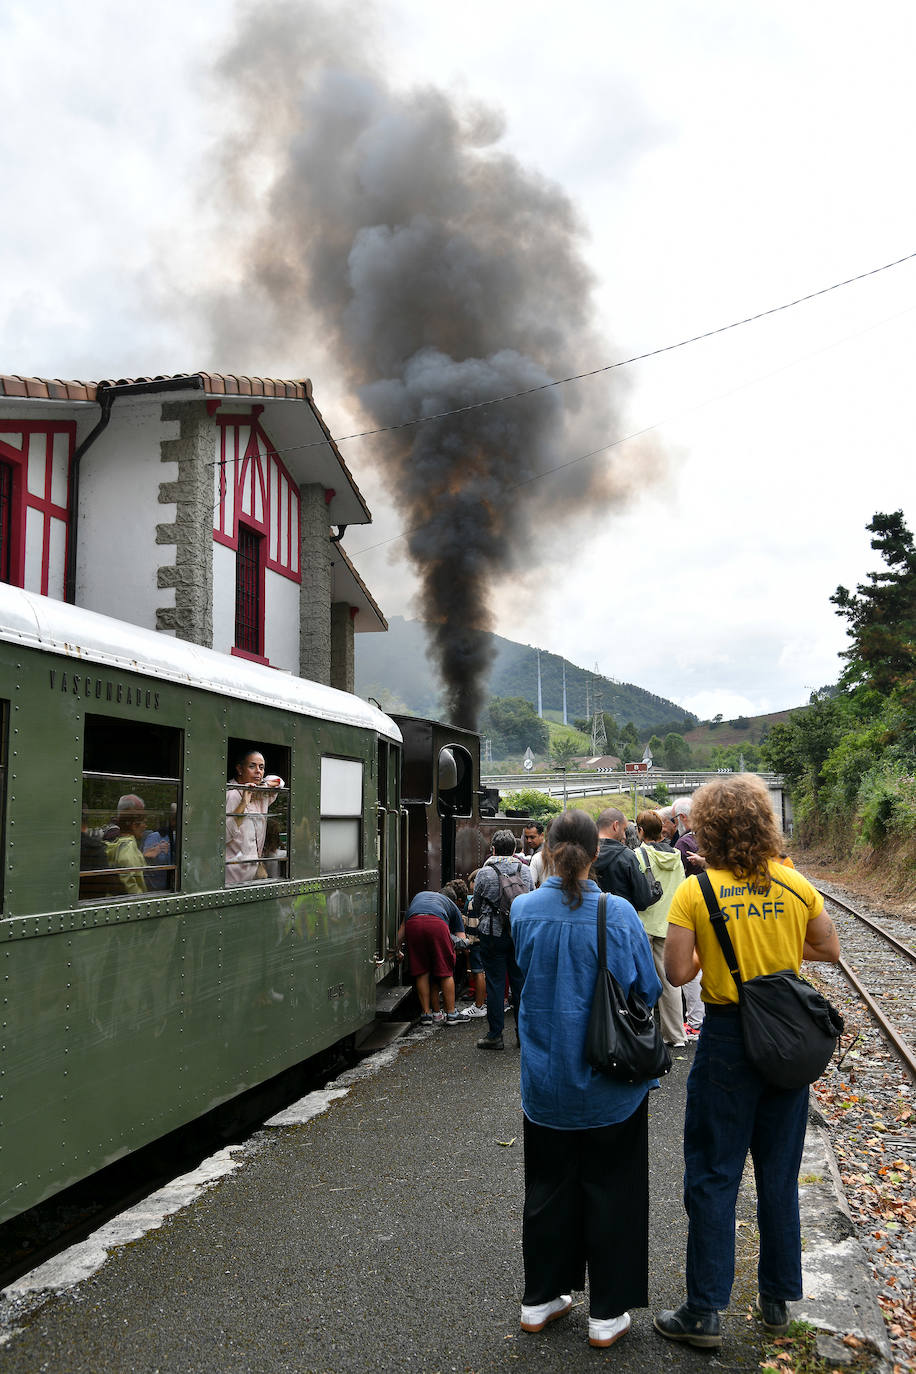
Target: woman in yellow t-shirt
(775, 920)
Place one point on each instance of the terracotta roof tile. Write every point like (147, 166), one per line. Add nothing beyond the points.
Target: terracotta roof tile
(214, 383)
(13, 386)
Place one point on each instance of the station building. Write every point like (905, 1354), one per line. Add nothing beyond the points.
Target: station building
(205, 506)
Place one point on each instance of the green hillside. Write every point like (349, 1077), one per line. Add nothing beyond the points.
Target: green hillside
(743, 730)
(396, 669)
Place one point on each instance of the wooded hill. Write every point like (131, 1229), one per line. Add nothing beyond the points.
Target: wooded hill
(396, 669)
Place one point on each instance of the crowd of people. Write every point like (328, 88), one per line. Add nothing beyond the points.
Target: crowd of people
(527, 923)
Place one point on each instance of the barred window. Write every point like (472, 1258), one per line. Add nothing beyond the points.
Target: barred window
(249, 592)
(257, 813)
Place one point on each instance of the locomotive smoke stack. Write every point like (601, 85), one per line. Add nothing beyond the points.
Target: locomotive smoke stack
(389, 232)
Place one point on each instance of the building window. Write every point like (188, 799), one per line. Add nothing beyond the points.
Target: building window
(6, 519)
(249, 592)
(130, 838)
(341, 815)
(34, 499)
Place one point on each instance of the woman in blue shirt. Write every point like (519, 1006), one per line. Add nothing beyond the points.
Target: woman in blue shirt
(586, 1135)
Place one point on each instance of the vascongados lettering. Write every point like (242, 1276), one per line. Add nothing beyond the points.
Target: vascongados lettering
(104, 689)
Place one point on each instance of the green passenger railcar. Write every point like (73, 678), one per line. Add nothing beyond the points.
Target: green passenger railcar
(171, 938)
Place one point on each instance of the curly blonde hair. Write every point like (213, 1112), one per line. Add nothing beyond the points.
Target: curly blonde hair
(735, 826)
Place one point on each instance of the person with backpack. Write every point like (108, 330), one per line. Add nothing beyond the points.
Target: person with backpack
(499, 881)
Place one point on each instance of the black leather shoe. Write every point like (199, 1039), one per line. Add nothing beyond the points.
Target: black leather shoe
(693, 1328)
(773, 1314)
(491, 1042)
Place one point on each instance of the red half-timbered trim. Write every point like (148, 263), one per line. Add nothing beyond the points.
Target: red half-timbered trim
(17, 441)
(253, 485)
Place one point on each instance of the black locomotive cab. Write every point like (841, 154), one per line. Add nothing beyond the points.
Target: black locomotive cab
(441, 798)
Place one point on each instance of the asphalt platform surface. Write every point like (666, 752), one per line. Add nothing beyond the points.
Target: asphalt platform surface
(381, 1234)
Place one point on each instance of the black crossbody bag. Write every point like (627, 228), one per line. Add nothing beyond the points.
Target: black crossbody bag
(790, 1030)
(622, 1039)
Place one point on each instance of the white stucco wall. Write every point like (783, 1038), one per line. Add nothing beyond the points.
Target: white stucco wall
(281, 621)
(223, 598)
(119, 509)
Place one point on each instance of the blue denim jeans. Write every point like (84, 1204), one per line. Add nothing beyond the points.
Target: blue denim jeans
(498, 954)
(730, 1110)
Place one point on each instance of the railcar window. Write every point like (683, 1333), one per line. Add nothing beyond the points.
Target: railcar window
(130, 841)
(341, 814)
(257, 813)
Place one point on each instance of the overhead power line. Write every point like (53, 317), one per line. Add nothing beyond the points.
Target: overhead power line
(625, 362)
(606, 367)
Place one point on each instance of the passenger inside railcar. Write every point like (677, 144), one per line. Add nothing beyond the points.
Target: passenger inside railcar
(124, 853)
(249, 795)
(158, 847)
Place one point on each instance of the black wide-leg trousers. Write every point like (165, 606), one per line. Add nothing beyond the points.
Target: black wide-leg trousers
(587, 1208)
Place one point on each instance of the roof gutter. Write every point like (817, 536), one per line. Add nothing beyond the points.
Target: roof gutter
(106, 395)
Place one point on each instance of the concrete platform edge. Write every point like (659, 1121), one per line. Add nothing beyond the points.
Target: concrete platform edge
(839, 1292)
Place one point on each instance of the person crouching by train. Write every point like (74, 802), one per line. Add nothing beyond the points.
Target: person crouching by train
(124, 852)
(426, 930)
(457, 891)
(586, 1135)
(498, 882)
(248, 799)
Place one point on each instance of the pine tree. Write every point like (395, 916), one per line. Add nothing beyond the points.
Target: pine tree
(882, 613)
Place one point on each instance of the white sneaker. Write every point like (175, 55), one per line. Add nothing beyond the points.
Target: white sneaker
(536, 1318)
(438, 1017)
(469, 1013)
(606, 1332)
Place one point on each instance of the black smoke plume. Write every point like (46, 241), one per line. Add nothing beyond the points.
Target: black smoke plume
(438, 272)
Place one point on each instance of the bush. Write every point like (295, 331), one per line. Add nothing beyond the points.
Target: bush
(537, 805)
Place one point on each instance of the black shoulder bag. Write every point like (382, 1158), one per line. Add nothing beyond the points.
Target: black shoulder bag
(789, 1029)
(622, 1039)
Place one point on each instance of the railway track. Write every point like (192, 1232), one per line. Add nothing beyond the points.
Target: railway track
(878, 964)
(867, 1102)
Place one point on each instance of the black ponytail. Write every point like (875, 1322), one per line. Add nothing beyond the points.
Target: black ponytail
(571, 843)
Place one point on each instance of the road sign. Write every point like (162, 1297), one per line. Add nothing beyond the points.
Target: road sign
(641, 767)
(528, 765)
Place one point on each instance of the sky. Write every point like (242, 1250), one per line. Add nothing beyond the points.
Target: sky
(722, 159)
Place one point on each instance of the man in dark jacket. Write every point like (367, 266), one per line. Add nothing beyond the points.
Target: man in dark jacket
(617, 869)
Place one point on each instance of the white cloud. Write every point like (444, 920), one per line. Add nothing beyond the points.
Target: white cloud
(706, 705)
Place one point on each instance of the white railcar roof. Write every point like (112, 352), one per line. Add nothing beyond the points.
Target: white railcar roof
(42, 623)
